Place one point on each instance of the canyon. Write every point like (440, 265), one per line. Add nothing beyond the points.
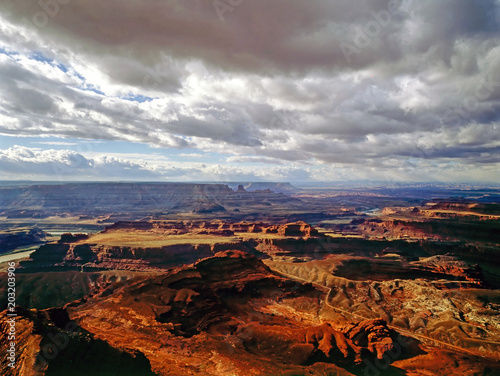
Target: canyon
(410, 290)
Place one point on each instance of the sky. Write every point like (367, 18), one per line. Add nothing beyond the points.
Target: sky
(250, 90)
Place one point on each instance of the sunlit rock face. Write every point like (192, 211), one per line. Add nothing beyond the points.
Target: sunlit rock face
(255, 297)
(231, 301)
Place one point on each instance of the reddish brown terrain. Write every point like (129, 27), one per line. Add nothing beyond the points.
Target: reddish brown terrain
(254, 298)
(201, 290)
(224, 315)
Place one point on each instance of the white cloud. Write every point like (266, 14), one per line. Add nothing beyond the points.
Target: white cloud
(269, 87)
(20, 162)
(65, 164)
(59, 143)
(191, 155)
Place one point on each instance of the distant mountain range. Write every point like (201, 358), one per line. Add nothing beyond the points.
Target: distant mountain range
(259, 186)
(38, 201)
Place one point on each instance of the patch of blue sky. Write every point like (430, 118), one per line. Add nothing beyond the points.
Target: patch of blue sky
(38, 56)
(78, 75)
(92, 88)
(3, 51)
(137, 98)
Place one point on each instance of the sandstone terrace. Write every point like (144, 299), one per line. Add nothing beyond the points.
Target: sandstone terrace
(163, 233)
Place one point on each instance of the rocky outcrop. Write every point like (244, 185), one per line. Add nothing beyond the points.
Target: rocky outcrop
(225, 298)
(90, 257)
(49, 343)
(27, 345)
(22, 238)
(72, 238)
(44, 290)
(265, 186)
(217, 228)
(49, 254)
(300, 229)
(449, 221)
(371, 334)
(87, 253)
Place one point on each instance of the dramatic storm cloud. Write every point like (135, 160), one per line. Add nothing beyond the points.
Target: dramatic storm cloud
(250, 89)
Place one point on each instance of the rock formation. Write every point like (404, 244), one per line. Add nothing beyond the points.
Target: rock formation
(231, 301)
